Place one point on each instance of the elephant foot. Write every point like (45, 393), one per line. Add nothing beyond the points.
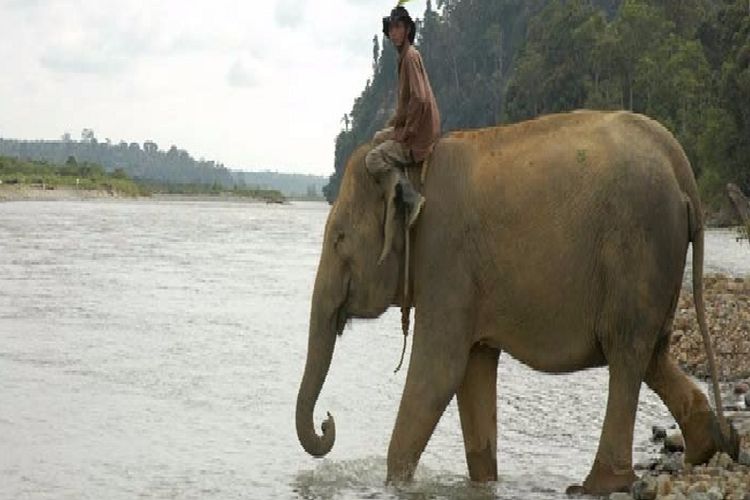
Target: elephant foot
(703, 438)
(400, 471)
(603, 480)
(482, 465)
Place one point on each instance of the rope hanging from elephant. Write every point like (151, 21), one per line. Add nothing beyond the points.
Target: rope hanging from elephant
(405, 305)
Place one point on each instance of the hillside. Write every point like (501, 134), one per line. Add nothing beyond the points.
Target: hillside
(685, 63)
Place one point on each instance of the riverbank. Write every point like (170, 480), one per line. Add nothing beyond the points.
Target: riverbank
(26, 192)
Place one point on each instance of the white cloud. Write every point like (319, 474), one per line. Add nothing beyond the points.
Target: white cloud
(289, 13)
(240, 76)
(225, 80)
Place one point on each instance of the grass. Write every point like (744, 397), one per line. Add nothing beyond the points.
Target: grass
(86, 176)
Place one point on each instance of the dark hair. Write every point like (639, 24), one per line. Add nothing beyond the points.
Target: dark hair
(400, 14)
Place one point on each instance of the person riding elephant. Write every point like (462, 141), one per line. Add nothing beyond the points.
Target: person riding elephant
(415, 127)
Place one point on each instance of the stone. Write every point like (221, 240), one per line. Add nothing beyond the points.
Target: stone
(644, 488)
(715, 494)
(724, 460)
(744, 458)
(663, 485)
(674, 442)
(741, 388)
(658, 433)
(697, 487)
(697, 495)
(620, 496)
(674, 462)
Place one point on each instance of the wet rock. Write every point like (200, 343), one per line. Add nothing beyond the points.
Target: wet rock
(728, 316)
(674, 442)
(715, 493)
(658, 433)
(674, 462)
(744, 458)
(620, 496)
(663, 485)
(741, 388)
(645, 488)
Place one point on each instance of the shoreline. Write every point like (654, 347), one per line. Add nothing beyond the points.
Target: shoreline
(27, 193)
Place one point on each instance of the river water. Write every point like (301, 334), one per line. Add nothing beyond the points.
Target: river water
(154, 350)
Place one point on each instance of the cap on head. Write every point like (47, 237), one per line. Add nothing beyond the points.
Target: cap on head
(399, 13)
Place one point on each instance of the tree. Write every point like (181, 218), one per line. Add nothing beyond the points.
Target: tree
(87, 135)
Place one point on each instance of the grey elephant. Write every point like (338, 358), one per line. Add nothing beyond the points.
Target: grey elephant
(562, 241)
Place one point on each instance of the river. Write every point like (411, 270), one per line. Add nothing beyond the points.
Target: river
(154, 350)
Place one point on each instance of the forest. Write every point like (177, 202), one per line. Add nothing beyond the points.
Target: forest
(685, 63)
(147, 162)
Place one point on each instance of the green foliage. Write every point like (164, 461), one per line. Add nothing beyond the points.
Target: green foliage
(85, 176)
(685, 63)
(146, 163)
(191, 189)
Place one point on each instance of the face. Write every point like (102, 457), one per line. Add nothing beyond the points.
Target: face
(397, 33)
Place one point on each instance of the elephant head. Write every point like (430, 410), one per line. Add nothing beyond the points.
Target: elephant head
(349, 283)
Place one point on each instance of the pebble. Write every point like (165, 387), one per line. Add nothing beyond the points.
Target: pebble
(674, 442)
(674, 462)
(658, 433)
(645, 488)
(728, 316)
(620, 496)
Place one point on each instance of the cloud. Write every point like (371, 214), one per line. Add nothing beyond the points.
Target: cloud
(289, 13)
(240, 76)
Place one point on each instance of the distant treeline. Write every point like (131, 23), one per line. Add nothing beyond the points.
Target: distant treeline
(268, 195)
(684, 62)
(146, 163)
(91, 176)
(85, 176)
(292, 185)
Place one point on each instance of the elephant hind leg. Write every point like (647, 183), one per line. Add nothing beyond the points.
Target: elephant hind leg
(628, 355)
(687, 404)
(477, 406)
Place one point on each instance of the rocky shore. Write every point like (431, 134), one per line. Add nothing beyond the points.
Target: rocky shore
(728, 316)
(32, 193)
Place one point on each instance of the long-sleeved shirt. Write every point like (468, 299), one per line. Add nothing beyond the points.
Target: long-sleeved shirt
(417, 119)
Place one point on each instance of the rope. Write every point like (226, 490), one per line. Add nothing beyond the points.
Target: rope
(405, 306)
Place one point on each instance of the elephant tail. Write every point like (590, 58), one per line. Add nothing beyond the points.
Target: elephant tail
(697, 237)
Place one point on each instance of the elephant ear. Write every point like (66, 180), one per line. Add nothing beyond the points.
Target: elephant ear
(389, 219)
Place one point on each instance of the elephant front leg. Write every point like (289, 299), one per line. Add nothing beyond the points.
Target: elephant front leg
(436, 368)
(477, 406)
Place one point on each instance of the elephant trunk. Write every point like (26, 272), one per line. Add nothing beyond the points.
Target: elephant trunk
(324, 326)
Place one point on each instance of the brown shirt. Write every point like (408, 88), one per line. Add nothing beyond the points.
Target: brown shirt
(417, 119)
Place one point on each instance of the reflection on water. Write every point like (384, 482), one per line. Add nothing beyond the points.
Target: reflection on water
(155, 349)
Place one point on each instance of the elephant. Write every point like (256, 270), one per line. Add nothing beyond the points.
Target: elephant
(560, 240)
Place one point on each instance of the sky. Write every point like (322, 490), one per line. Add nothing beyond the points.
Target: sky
(254, 85)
